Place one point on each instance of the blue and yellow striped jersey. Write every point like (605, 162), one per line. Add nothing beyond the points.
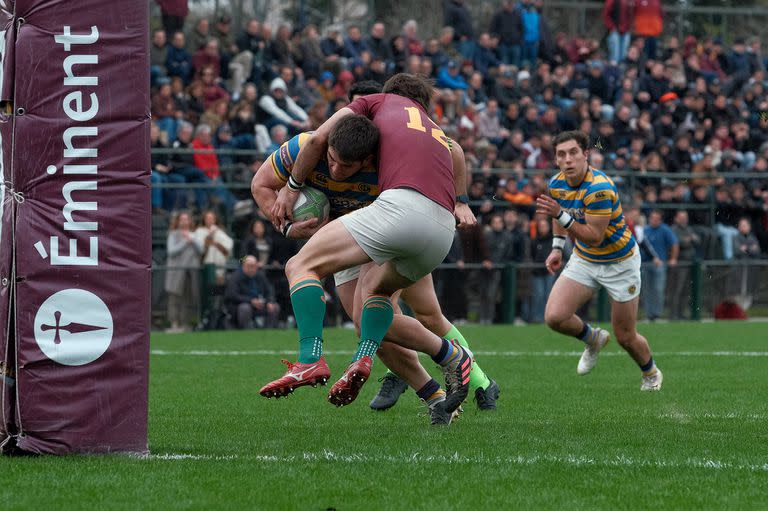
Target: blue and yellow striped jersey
(345, 196)
(596, 195)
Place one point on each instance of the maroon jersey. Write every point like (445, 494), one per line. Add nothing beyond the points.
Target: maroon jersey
(414, 151)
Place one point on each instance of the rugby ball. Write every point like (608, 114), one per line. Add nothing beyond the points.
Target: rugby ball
(312, 203)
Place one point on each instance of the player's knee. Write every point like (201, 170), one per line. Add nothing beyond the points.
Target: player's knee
(291, 267)
(430, 321)
(554, 318)
(298, 266)
(624, 336)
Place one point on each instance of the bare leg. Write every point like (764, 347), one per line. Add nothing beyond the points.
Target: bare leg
(624, 320)
(405, 331)
(566, 297)
(423, 301)
(404, 363)
(331, 249)
(399, 360)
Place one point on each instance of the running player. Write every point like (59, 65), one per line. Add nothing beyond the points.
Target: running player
(407, 231)
(584, 203)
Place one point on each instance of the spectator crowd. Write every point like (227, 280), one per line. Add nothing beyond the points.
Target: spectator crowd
(681, 124)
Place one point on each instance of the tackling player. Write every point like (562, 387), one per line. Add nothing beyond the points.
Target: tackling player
(358, 191)
(407, 231)
(584, 203)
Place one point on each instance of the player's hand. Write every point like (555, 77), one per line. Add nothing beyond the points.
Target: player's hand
(547, 205)
(672, 263)
(554, 261)
(305, 229)
(283, 207)
(464, 216)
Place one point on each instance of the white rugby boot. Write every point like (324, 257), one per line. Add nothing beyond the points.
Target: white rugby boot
(588, 360)
(652, 382)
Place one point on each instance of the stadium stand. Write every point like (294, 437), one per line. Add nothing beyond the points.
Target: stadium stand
(682, 124)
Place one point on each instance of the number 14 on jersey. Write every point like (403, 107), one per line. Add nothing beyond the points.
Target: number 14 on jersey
(415, 123)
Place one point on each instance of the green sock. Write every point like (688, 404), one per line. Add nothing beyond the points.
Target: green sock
(477, 378)
(308, 300)
(374, 323)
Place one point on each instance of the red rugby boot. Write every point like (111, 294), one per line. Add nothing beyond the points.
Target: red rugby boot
(348, 387)
(297, 375)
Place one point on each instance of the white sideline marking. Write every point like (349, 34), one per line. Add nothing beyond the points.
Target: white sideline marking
(687, 417)
(259, 353)
(176, 457)
(456, 458)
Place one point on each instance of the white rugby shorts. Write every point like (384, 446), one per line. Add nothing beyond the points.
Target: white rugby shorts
(344, 276)
(405, 227)
(620, 279)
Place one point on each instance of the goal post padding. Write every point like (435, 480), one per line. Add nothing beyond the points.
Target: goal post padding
(7, 382)
(80, 159)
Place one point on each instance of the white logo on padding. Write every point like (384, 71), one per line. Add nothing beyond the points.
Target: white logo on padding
(73, 327)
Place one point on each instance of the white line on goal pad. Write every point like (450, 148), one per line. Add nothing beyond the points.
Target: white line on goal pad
(481, 459)
(260, 353)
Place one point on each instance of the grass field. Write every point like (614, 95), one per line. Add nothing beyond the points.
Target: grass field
(557, 441)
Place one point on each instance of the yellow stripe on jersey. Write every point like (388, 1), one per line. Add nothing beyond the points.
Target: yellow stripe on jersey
(345, 196)
(595, 195)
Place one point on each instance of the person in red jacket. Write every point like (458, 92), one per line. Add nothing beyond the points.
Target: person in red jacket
(649, 22)
(618, 16)
(206, 160)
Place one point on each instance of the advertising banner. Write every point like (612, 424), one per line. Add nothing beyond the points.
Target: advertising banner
(82, 235)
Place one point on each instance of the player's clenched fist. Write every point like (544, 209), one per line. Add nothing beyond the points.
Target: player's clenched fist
(547, 205)
(283, 206)
(554, 261)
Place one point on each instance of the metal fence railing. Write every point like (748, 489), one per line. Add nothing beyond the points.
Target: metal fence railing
(510, 293)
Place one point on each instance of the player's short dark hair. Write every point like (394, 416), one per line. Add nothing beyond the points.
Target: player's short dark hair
(581, 138)
(414, 87)
(364, 88)
(354, 138)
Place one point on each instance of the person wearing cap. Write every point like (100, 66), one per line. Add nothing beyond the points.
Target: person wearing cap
(343, 84)
(598, 84)
(524, 87)
(505, 90)
(325, 86)
(449, 77)
(278, 108)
